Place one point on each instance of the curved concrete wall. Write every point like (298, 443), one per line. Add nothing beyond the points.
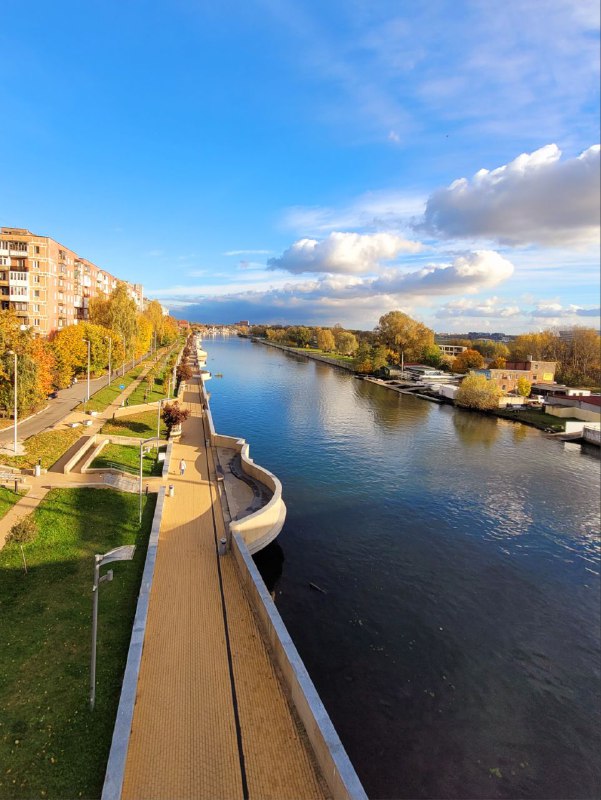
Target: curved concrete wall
(260, 528)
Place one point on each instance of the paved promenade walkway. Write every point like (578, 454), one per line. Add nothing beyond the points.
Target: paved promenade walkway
(211, 718)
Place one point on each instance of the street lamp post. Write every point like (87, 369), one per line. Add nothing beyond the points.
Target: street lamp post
(159, 420)
(124, 553)
(142, 443)
(88, 392)
(110, 353)
(13, 353)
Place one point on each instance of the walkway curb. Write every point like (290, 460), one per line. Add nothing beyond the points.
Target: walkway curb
(115, 770)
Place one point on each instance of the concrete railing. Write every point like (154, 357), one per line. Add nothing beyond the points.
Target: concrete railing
(330, 754)
(78, 455)
(261, 527)
(115, 770)
(128, 411)
(592, 434)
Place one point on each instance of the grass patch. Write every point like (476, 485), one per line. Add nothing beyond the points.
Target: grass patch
(313, 351)
(50, 744)
(127, 458)
(108, 394)
(141, 425)
(7, 499)
(534, 417)
(48, 446)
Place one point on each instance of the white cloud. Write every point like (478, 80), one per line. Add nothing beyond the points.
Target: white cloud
(487, 309)
(537, 198)
(375, 211)
(343, 253)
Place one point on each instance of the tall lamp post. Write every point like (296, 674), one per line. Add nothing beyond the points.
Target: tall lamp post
(88, 392)
(13, 353)
(124, 553)
(110, 341)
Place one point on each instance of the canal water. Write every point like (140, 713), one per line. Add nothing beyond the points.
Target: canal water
(456, 642)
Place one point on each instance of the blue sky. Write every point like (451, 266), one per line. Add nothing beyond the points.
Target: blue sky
(298, 161)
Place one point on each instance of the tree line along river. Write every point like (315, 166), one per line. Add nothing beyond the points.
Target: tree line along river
(456, 642)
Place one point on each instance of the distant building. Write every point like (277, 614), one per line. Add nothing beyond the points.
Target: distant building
(49, 286)
(534, 371)
(244, 323)
(452, 349)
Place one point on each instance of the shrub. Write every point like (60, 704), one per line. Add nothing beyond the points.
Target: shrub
(184, 373)
(174, 414)
(23, 531)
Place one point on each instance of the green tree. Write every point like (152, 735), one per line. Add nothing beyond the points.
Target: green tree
(476, 391)
(433, 356)
(346, 343)
(363, 361)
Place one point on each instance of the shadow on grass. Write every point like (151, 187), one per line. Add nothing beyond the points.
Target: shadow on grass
(49, 740)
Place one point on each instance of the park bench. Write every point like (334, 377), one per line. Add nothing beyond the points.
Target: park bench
(9, 477)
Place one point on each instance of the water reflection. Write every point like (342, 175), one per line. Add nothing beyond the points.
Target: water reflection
(474, 429)
(459, 637)
(270, 563)
(388, 408)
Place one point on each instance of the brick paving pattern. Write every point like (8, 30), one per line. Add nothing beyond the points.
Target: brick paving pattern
(186, 736)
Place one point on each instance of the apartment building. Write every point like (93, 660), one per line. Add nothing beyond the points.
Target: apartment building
(534, 371)
(49, 286)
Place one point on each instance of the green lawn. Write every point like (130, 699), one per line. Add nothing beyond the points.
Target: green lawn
(313, 351)
(7, 500)
(105, 396)
(143, 426)
(49, 446)
(141, 394)
(535, 417)
(51, 745)
(127, 458)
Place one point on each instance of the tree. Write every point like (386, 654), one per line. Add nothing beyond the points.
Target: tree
(379, 356)
(184, 372)
(119, 313)
(469, 359)
(433, 355)
(22, 532)
(173, 414)
(346, 343)
(402, 334)
(497, 363)
(325, 340)
(154, 314)
(363, 362)
(476, 391)
(524, 386)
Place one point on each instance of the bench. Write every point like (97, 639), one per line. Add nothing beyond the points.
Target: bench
(8, 477)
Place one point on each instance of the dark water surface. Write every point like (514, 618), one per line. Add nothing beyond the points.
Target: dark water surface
(457, 649)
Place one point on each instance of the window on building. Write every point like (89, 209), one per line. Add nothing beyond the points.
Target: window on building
(36, 249)
(36, 322)
(36, 293)
(36, 264)
(36, 308)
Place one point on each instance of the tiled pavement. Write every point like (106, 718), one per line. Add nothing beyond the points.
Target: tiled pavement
(211, 718)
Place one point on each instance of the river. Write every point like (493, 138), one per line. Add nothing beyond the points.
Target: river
(456, 643)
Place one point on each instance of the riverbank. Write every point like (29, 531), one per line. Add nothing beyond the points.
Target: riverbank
(531, 417)
(343, 362)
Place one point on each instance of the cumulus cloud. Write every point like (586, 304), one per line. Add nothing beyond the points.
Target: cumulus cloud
(487, 309)
(553, 310)
(468, 273)
(535, 199)
(342, 253)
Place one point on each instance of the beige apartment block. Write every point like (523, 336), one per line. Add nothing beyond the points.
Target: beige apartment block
(49, 286)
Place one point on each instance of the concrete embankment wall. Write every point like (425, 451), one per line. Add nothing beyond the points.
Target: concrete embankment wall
(329, 752)
(261, 527)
